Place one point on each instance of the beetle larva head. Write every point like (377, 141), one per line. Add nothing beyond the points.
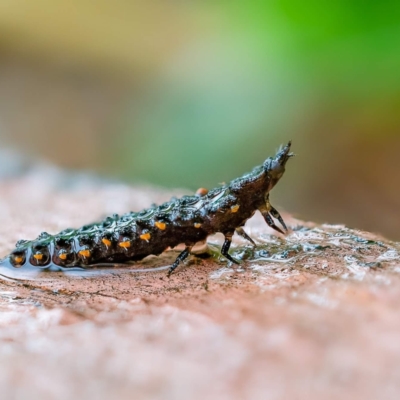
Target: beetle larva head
(274, 167)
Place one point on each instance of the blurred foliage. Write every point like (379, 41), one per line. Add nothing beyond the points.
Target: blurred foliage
(120, 36)
(260, 73)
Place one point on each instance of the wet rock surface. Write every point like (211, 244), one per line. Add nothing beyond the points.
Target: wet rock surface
(311, 315)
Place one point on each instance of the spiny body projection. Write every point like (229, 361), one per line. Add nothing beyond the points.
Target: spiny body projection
(187, 220)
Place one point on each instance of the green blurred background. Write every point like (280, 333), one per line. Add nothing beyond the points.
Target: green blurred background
(190, 94)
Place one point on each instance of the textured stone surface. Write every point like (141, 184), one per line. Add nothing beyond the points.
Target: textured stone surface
(310, 316)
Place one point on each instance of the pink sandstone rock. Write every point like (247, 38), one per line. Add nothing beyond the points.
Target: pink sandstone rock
(313, 315)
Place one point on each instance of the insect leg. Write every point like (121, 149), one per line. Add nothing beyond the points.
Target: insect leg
(267, 211)
(226, 246)
(241, 232)
(182, 256)
(270, 221)
(274, 212)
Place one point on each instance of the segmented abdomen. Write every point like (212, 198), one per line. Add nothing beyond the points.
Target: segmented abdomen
(131, 236)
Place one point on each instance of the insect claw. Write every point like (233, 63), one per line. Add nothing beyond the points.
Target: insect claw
(273, 226)
(230, 258)
(271, 223)
(241, 232)
(275, 213)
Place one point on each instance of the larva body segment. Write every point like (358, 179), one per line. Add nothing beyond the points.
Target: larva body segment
(188, 220)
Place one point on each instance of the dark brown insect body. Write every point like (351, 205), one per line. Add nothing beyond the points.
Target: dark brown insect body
(188, 220)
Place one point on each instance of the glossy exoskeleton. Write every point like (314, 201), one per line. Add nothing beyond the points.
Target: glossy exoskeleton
(188, 220)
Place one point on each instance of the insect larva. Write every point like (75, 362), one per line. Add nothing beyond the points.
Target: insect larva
(188, 220)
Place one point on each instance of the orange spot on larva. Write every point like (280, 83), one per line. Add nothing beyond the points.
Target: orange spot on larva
(235, 208)
(18, 259)
(201, 192)
(85, 253)
(106, 241)
(145, 236)
(125, 244)
(197, 225)
(62, 256)
(160, 225)
(38, 256)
